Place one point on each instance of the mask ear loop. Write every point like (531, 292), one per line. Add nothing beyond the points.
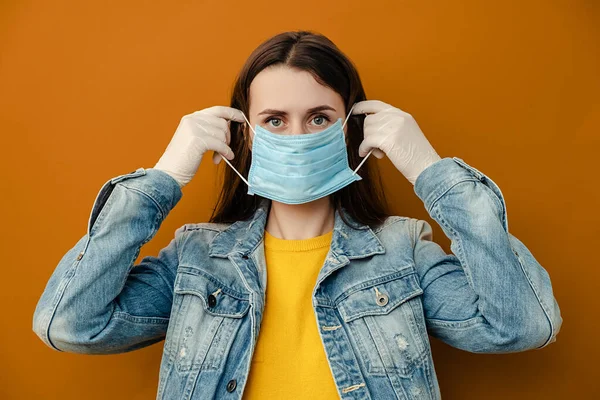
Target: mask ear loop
(232, 167)
(248, 122)
(348, 116)
(363, 161)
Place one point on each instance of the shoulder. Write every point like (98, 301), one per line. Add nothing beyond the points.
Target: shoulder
(204, 230)
(396, 229)
(394, 223)
(204, 226)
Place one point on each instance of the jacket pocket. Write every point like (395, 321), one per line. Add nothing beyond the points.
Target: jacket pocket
(384, 318)
(205, 319)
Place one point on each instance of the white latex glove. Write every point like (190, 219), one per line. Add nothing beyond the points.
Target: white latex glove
(397, 134)
(198, 132)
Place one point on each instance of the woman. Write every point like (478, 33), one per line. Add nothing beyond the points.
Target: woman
(353, 292)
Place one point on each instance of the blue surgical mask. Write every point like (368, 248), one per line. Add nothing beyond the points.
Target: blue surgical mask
(296, 169)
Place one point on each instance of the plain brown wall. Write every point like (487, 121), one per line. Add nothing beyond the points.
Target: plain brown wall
(90, 90)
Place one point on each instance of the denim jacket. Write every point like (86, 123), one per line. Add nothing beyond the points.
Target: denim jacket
(379, 294)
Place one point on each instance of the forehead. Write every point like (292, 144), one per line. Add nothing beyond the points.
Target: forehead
(289, 89)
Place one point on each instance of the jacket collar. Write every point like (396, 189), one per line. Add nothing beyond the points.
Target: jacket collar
(242, 237)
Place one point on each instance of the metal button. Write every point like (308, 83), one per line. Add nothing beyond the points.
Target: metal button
(212, 300)
(80, 256)
(382, 299)
(231, 385)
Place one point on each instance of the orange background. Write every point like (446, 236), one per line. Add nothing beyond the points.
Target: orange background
(91, 90)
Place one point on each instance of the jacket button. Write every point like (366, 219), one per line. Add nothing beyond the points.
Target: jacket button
(244, 256)
(231, 385)
(212, 300)
(382, 300)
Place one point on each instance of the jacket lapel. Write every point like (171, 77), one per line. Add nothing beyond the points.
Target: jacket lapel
(241, 239)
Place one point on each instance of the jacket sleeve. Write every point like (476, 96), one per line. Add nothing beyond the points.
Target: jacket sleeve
(490, 295)
(95, 301)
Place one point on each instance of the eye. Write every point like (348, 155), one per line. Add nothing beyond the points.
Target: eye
(320, 120)
(275, 122)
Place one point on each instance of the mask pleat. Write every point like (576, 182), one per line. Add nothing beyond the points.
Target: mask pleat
(295, 169)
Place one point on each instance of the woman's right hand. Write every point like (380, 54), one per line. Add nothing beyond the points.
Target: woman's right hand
(203, 130)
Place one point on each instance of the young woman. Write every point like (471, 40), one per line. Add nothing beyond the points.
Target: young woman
(352, 292)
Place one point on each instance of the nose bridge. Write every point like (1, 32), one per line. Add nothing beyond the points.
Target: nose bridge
(296, 126)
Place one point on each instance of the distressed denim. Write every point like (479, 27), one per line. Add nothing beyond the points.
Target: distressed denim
(379, 294)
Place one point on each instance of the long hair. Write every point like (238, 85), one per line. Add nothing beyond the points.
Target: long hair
(364, 200)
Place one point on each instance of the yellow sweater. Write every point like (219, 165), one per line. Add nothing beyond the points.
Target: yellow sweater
(289, 361)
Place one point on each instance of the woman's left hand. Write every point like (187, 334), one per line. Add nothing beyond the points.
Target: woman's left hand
(398, 135)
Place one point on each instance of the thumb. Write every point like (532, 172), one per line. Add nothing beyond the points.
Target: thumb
(364, 148)
(378, 153)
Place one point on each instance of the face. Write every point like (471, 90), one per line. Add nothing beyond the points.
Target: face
(289, 101)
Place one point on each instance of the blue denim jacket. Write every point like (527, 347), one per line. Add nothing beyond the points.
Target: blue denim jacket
(378, 295)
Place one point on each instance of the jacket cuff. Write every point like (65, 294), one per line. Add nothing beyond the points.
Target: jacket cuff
(156, 184)
(441, 176)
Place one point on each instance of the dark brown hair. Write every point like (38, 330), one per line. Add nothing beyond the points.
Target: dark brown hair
(364, 200)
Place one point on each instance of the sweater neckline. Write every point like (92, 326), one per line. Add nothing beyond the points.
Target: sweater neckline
(294, 245)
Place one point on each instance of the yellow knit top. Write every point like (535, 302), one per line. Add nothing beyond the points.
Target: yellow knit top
(289, 361)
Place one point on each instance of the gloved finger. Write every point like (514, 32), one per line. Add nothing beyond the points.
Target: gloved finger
(370, 107)
(211, 119)
(220, 147)
(220, 123)
(378, 153)
(229, 113)
(217, 157)
(213, 126)
(383, 121)
(375, 119)
(208, 130)
(370, 142)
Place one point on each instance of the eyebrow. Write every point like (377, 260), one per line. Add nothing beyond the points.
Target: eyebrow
(310, 110)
